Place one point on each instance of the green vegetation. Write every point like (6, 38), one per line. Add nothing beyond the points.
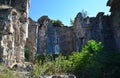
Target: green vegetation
(7, 73)
(71, 22)
(92, 62)
(57, 23)
(50, 64)
(118, 21)
(26, 54)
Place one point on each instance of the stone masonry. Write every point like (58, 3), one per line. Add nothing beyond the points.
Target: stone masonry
(56, 39)
(115, 20)
(103, 28)
(13, 30)
(32, 39)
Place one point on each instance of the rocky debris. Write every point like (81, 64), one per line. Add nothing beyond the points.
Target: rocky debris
(22, 67)
(13, 30)
(59, 76)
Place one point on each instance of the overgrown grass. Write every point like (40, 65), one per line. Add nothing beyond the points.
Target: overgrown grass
(7, 73)
(49, 65)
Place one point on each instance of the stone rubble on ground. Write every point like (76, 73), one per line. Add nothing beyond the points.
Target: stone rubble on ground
(59, 76)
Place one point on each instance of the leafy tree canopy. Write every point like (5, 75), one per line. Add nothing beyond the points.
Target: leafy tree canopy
(57, 22)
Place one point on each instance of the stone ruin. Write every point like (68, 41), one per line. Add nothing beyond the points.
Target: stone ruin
(53, 39)
(42, 37)
(64, 39)
(56, 39)
(32, 39)
(115, 21)
(13, 30)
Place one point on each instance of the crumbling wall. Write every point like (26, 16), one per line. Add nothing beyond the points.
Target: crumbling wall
(98, 28)
(54, 39)
(103, 28)
(32, 39)
(41, 40)
(115, 20)
(66, 39)
(81, 29)
(13, 30)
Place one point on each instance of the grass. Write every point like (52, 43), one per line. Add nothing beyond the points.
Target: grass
(7, 73)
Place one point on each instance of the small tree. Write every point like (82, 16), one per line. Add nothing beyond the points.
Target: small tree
(86, 64)
(84, 13)
(71, 22)
(57, 23)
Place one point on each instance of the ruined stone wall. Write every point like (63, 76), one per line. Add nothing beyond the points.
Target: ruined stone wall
(115, 20)
(98, 28)
(56, 39)
(13, 30)
(81, 29)
(66, 40)
(102, 28)
(41, 40)
(32, 39)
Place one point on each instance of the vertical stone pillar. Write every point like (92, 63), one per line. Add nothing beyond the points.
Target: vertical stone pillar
(32, 39)
(13, 30)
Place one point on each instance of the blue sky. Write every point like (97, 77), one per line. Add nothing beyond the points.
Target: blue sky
(65, 10)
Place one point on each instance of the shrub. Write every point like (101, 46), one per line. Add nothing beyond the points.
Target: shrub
(86, 64)
(62, 64)
(50, 64)
(38, 70)
(26, 54)
(92, 62)
(57, 23)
